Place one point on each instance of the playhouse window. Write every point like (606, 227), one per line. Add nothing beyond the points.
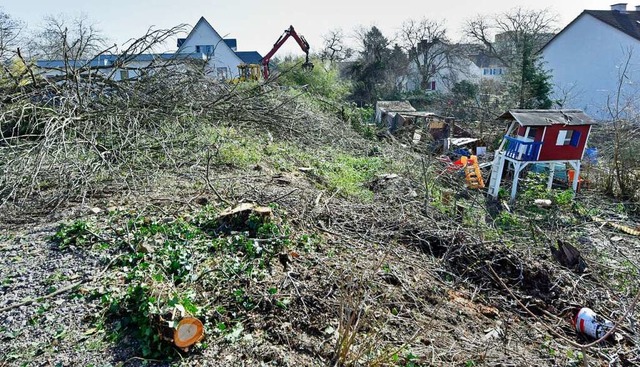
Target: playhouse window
(532, 132)
(568, 137)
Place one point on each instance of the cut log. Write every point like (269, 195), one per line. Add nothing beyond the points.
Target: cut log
(623, 228)
(543, 203)
(244, 207)
(238, 218)
(188, 332)
(264, 212)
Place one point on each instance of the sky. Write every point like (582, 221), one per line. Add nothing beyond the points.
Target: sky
(257, 24)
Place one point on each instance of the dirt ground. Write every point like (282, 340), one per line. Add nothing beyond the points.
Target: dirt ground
(420, 287)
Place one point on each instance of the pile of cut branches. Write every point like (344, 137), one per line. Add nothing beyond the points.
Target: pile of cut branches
(78, 132)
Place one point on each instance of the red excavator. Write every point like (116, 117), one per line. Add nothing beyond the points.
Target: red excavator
(304, 45)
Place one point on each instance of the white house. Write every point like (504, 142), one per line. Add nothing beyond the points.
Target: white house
(443, 64)
(457, 63)
(595, 62)
(485, 67)
(221, 54)
(203, 44)
(116, 67)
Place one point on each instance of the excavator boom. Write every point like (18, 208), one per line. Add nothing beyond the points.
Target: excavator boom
(304, 45)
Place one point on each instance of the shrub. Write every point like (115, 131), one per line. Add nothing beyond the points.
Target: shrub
(323, 81)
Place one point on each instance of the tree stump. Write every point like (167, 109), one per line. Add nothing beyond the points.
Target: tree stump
(188, 332)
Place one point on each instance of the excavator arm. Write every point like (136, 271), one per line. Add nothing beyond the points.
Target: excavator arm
(304, 45)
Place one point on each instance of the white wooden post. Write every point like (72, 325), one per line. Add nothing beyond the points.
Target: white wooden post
(496, 175)
(552, 171)
(518, 167)
(576, 176)
(516, 175)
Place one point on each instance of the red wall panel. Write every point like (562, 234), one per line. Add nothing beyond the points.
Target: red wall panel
(550, 151)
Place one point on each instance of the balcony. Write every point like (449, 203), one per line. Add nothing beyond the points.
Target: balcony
(521, 150)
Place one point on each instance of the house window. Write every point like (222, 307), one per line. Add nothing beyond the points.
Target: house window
(485, 71)
(568, 137)
(222, 73)
(204, 49)
(124, 74)
(532, 132)
(432, 86)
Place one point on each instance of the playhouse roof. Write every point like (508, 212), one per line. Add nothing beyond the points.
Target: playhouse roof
(547, 117)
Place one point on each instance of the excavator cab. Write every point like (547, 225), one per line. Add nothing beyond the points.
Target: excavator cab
(253, 71)
(248, 72)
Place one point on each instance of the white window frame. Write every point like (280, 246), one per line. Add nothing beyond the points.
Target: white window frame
(222, 72)
(204, 49)
(564, 137)
(528, 132)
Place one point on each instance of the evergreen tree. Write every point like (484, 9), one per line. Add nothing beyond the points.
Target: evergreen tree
(380, 70)
(532, 84)
(397, 71)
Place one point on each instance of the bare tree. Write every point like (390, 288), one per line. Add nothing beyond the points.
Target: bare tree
(334, 48)
(68, 38)
(10, 31)
(426, 43)
(514, 38)
(621, 179)
(505, 35)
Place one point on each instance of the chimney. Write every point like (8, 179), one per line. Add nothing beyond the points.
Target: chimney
(637, 7)
(621, 7)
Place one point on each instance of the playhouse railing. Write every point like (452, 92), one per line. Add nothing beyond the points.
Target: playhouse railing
(521, 150)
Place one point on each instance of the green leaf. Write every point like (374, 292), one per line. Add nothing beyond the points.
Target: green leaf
(189, 306)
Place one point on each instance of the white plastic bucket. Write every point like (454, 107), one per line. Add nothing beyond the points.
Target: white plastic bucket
(589, 323)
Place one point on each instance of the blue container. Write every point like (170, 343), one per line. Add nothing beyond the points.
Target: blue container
(591, 155)
(462, 151)
(560, 172)
(539, 168)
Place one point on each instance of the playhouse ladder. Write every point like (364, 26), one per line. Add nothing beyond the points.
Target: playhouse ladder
(496, 175)
(472, 172)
